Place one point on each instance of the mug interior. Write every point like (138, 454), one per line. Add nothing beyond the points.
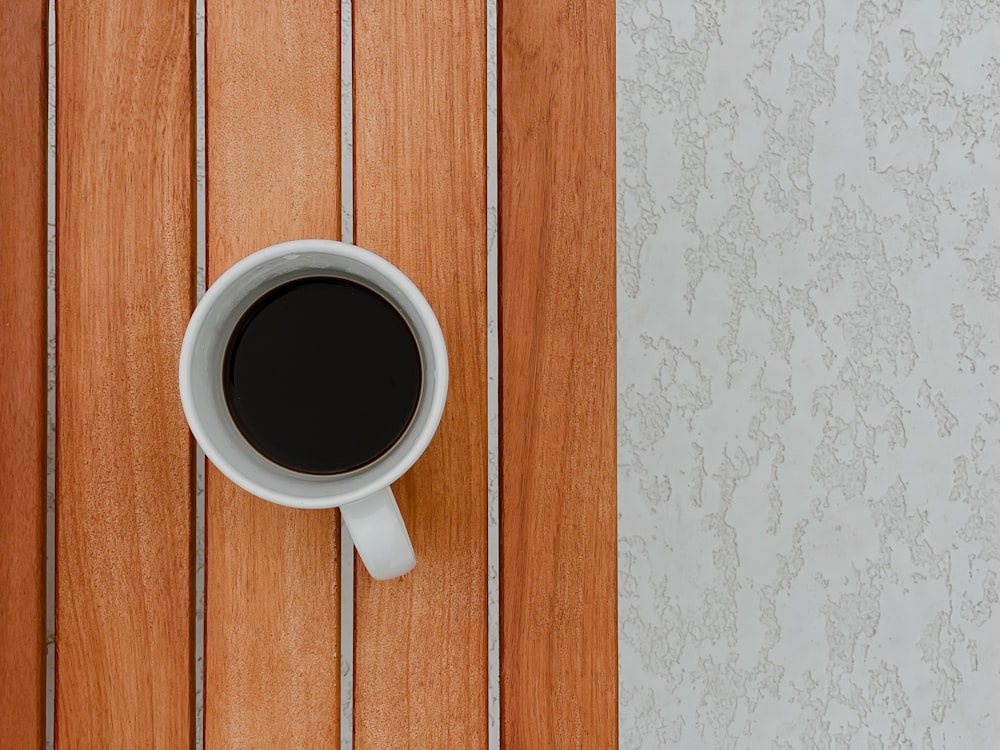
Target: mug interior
(202, 365)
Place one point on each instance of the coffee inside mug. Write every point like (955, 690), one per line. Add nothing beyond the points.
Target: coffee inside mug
(322, 375)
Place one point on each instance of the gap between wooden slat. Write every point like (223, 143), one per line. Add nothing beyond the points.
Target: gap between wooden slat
(347, 234)
(199, 524)
(493, 376)
(50, 432)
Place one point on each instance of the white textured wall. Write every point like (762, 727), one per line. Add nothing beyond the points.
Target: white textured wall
(809, 397)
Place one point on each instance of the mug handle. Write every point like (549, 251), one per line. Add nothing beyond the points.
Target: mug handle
(379, 535)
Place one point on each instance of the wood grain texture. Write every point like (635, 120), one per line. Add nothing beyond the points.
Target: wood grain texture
(420, 660)
(558, 596)
(125, 459)
(272, 640)
(23, 63)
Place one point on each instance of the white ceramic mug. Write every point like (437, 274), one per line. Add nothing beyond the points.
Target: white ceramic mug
(363, 495)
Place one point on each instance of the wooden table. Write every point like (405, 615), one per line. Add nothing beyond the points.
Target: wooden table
(125, 461)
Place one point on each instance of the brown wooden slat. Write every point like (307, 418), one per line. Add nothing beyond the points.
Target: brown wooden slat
(558, 599)
(23, 63)
(272, 640)
(125, 460)
(420, 659)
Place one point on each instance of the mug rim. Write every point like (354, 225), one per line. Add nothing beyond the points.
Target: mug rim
(397, 465)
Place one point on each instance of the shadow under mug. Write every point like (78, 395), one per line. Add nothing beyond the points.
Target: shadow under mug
(363, 494)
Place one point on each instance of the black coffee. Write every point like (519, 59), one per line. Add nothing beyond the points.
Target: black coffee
(322, 375)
